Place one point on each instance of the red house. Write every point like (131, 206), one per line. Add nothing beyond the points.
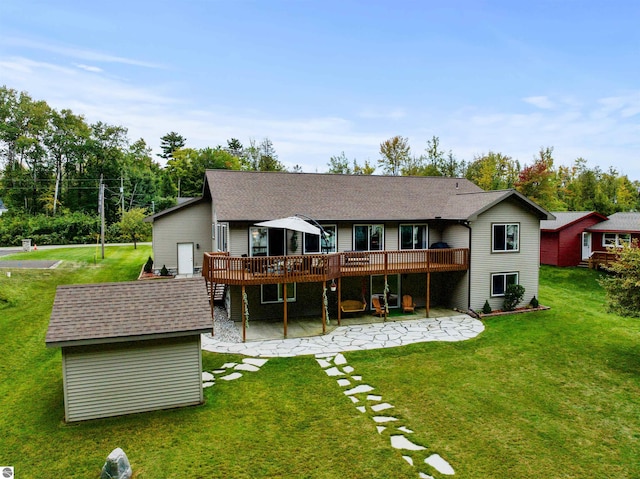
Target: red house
(619, 229)
(567, 241)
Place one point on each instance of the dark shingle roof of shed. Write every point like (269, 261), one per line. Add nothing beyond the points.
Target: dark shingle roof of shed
(619, 222)
(111, 312)
(251, 196)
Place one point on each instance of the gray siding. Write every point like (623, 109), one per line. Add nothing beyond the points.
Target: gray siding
(457, 236)
(111, 380)
(483, 262)
(238, 239)
(188, 225)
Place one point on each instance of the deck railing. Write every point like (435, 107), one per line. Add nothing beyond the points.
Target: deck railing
(223, 268)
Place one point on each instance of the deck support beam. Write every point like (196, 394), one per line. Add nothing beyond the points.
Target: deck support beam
(244, 317)
(284, 293)
(428, 301)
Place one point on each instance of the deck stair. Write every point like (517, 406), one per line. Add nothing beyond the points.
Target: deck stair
(219, 291)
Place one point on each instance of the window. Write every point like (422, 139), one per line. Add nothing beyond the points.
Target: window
(274, 293)
(329, 245)
(413, 237)
(377, 289)
(258, 239)
(222, 236)
(500, 281)
(368, 237)
(615, 239)
(506, 237)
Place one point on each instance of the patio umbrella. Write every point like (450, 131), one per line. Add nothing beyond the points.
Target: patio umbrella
(291, 223)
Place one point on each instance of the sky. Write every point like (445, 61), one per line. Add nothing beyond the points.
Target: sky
(319, 78)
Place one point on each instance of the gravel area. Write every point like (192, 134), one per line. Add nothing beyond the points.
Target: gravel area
(224, 329)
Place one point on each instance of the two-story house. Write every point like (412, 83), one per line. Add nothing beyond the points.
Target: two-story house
(444, 241)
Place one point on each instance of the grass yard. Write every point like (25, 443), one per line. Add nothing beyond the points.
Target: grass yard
(551, 394)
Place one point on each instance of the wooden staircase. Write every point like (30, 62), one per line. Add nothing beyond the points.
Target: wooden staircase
(219, 291)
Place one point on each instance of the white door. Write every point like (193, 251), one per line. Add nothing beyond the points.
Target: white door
(185, 258)
(586, 245)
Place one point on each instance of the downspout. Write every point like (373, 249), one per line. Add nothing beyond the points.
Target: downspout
(465, 223)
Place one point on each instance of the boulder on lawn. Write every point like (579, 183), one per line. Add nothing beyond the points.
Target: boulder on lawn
(117, 466)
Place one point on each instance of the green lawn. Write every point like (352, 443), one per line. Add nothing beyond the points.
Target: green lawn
(549, 394)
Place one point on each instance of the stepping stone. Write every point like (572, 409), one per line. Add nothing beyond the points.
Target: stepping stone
(362, 388)
(232, 376)
(357, 378)
(381, 429)
(207, 384)
(381, 407)
(422, 475)
(354, 399)
(219, 371)
(405, 429)
(361, 409)
(340, 359)
(255, 361)
(207, 376)
(247, 367)
(401, 442)
(334, 372)
(348, 369)
(373, 397)
(228, 365)
(409, 459)
(384, 418)
(440, 465)
(323, 364)
(343, 382)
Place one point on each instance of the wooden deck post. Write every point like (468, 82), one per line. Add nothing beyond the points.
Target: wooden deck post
(339, 300)
(386, 296)
(324, 310)
(428, 302)
(244, 318)
(284, 293)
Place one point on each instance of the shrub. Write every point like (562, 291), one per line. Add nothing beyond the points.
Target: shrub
(486, 309)
(164, 271)
(148, 266)
(534, 302)
(622, 285)
(512, 296)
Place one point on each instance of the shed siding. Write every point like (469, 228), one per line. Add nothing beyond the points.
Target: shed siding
(191, 225)
(112, 380)
(483, 262)
(549, 242)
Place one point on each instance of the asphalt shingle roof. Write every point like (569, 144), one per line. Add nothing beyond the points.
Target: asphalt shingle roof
(110, 312)
(565, 218)
(619, 222)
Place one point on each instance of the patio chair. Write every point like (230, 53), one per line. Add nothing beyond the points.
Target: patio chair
(379, 310)
(408, 306)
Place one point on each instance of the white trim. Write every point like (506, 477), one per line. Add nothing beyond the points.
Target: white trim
(504, 275)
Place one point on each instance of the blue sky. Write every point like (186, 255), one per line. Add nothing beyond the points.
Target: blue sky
(322, 77)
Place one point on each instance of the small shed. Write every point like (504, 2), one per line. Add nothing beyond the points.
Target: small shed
(563, 241)
(130, 347)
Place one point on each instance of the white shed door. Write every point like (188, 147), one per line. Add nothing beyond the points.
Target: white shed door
(185, 258)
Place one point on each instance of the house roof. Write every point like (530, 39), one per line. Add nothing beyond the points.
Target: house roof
(181, 204)
(619, 222)
(568, 218)
(115, 312)
(254, 196)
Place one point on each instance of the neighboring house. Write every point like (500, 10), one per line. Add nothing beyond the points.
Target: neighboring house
(444, 241)
(130, 347)
(3, 208)
(619, 229)
(564, 241)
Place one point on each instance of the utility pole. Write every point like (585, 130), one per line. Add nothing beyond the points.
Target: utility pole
(102, 214)
(121, 197)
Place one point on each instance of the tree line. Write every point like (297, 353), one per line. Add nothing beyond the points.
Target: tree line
(52, 163)
(562, 188)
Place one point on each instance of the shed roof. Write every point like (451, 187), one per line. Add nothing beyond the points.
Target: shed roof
(115, 312)
(619, 222)
(253, 196)
(567, 218)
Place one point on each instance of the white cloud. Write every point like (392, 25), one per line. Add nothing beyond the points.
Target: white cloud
(89, 68)
(540, 101)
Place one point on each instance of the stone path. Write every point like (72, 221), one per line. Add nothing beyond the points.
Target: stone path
(392, 427)
(231, 371)
(354, 338)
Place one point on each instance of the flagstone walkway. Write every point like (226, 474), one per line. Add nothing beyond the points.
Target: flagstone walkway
(355, 338)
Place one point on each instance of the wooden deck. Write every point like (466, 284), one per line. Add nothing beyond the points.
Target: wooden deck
(225, 269)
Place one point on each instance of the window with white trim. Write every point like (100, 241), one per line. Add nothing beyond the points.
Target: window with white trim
(274, 293)
(329, 244)
(500, 281)
(505, 237)
(222, 237)
(414, 236)
(616, 239)
(368, 237)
